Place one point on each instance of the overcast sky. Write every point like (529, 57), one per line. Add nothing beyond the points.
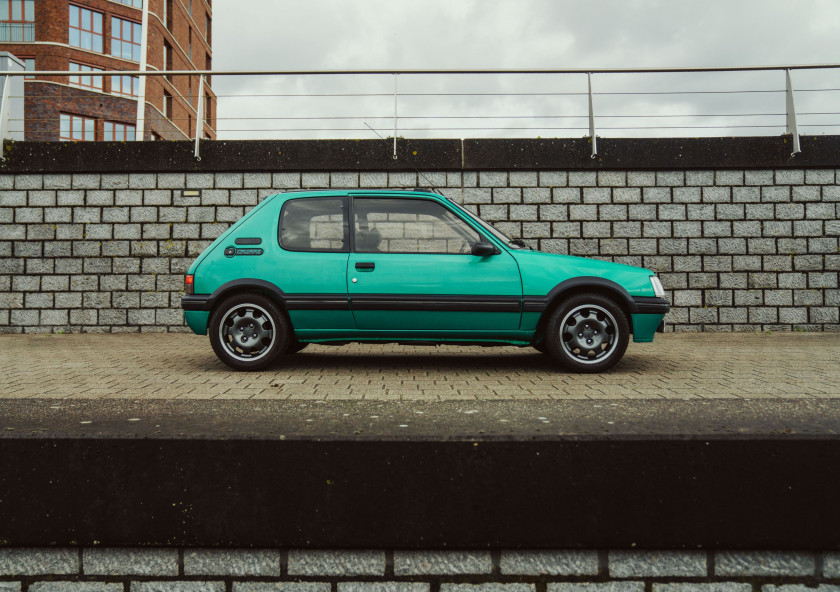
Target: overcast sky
(463, 34)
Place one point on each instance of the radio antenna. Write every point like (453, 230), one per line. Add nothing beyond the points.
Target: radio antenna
(416, 170)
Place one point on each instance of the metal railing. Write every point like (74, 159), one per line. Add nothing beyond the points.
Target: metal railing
(593, 103)
(17, 32)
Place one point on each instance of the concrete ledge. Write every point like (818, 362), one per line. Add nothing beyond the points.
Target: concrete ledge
(425, 155)
(429, 493)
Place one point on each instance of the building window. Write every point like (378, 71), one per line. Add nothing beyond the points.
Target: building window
(167, 14)
(134, 3)
(208, 29)
(127, 86)
(85, 28)
(208, 65)
(16, 20)
(207, 119)
(17, 10)
(167, 59)
(167, 105)
(84, 81)
(75, 128)
(118, 132)
(125, 39)
(29, 66)
(189, 43)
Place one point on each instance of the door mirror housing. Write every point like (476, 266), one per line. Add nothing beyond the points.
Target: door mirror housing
(483, 249)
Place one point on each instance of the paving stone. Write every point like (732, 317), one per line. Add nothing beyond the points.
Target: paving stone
(64, 586)
(627, 586)
(336, 563)
(36, 561)
(800, 588)
(177, 586)
(490, 587)
(408, 563)
(629, 564)
(282, 587)
(554, 563)
(217, 562)
(701, 587)
(764, 563)
(383, 587)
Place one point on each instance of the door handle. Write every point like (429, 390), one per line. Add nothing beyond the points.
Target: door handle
(366, 265)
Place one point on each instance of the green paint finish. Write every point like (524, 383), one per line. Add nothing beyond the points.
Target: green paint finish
(644, 326)
(197, 321)
(338, 321)
(530, 320)
(541, 272)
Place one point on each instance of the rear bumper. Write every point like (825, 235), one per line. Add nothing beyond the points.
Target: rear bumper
(196, 302)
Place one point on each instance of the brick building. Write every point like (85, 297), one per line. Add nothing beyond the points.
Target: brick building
(84, 36)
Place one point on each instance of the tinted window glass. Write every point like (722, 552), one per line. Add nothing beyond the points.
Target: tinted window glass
(314, 224)
(395, 225)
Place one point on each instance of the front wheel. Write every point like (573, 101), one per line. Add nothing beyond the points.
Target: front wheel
(587, 333)
(248, 331)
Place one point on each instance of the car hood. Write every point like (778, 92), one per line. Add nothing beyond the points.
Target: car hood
(543, 271)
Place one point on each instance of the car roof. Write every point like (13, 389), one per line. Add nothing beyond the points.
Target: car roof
(363, 192)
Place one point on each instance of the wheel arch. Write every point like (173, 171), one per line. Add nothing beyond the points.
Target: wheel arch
(243, 285)
(587, 284)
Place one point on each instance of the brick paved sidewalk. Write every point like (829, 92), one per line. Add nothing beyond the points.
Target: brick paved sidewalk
(179, 366)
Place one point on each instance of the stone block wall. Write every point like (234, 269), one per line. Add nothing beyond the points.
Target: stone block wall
(275, 570)
(742, 250)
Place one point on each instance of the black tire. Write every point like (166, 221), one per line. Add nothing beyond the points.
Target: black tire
(295, 346)
(248, 331)
(587, 333)
(541, 347)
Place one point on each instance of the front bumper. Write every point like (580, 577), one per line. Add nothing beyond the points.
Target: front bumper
(648, 305)
(649, 318)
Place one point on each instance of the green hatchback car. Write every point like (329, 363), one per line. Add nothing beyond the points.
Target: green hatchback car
(412, 267)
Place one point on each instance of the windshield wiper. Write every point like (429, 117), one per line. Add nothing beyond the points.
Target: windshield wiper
(518, 242)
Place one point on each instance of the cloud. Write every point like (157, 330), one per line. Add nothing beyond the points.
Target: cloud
(464, 34)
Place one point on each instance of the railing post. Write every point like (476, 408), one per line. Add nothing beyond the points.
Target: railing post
(140, 127)
(4, 115)
(395, 115)
(591, 118)
(199, 115)
(792, 128)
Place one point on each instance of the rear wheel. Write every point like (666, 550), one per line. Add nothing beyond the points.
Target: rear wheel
(248, 331)
(295, 346)
(587, 333)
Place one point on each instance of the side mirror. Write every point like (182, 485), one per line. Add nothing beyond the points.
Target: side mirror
(483, 249)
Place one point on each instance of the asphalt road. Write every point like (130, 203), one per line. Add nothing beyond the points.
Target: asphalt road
(419, 420)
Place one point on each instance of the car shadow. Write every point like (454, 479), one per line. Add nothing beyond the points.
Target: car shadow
(417, 363)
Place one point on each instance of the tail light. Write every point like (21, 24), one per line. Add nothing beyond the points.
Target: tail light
(189, 284)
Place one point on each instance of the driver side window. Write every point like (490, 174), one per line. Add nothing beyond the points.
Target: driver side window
(394, 225)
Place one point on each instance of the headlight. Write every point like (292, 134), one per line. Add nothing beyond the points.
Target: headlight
(657, 286)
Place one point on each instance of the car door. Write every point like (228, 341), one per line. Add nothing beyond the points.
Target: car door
(411, 270)
(312, 269)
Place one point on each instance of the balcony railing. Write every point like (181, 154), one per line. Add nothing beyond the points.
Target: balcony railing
(17, 32)
(535, 103)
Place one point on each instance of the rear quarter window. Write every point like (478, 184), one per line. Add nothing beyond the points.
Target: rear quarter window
(314, 224)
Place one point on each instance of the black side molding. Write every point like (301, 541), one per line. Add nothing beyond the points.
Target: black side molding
(423, 302)
(248, 241)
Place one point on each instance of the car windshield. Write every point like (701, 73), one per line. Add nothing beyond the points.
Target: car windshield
(514, 243)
